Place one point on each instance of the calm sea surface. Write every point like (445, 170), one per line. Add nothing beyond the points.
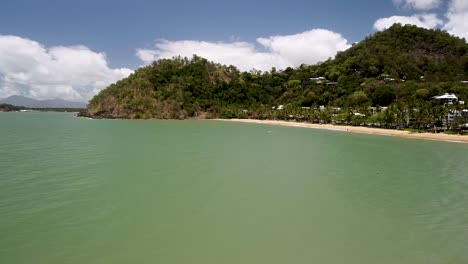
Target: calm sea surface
(74, 190)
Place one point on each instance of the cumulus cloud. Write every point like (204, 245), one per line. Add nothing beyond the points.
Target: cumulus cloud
(419, 4)
(308, 47)
(457, 18)
(428, 21)
(456, 22)
(74, 73)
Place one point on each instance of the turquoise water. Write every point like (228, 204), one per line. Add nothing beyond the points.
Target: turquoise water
(74, 190)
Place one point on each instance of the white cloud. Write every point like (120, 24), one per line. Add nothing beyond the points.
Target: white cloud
(73, 73)
(308, 47)
(419, 4)
(457, 18)
(428, 21)
(456, 22)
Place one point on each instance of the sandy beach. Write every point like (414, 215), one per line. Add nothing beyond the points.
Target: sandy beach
(364, 130)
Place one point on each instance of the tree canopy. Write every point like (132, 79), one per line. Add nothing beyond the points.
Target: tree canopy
(400, 68)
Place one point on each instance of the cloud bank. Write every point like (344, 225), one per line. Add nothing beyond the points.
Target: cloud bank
(418, 4)
(308, 47)
(457, 18)
(74, 73)
(428, 21)
(455, 23)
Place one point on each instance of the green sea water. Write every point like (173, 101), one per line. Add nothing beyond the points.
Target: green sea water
(74, 190)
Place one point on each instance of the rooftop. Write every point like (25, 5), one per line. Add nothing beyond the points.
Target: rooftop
(446, 96)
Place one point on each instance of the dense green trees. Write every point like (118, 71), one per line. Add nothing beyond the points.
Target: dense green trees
(400, 68)
(14, 108)
(9, 108)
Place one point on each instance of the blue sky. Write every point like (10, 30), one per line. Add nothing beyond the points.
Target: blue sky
(74, 49)
(118, 27)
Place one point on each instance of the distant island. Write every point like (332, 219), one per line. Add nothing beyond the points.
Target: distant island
(405, 77)
(26, 102)
(14, 108)
(18, 103)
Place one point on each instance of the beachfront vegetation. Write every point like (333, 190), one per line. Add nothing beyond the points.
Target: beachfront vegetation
(400, 68)
(9, 108)
(14, 108)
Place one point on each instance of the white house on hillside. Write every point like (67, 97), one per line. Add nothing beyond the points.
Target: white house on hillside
(446, 98)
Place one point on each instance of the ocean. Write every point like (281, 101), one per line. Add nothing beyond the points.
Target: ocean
(75, 190)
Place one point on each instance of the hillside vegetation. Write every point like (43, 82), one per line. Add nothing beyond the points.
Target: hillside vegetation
(402, 67)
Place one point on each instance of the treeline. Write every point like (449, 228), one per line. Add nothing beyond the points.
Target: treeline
(56, 109)
(400, 68)
(14, 108)
(9, 108)
(423, 116)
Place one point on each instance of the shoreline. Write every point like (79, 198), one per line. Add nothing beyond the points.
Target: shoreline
(353, 129)
(357, 129)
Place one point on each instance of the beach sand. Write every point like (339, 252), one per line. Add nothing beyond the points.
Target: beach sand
(357, 129)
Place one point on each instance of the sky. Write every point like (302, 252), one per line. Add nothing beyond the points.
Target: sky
(73, 49)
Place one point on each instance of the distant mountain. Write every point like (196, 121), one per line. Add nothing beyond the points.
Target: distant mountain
(32, 103)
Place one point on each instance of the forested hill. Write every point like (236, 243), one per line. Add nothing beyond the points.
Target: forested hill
(406, 52)
(403, 65)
